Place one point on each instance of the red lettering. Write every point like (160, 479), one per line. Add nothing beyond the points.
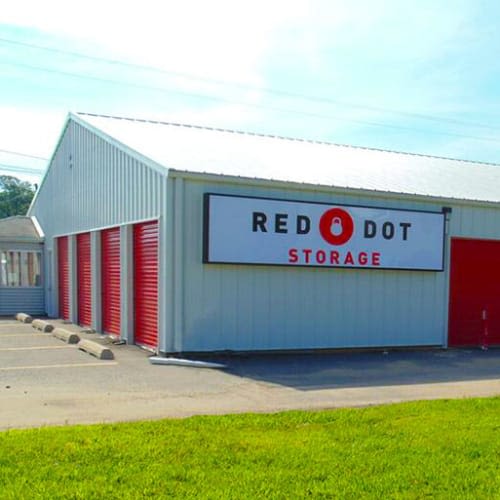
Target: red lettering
(292, 256)
(314, 256)
(307, 254)
(320, 256)
(334, 257)
(348, 258)
(363, 258)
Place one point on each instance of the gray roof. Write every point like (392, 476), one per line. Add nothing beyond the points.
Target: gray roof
(19, 229)
(231, 153)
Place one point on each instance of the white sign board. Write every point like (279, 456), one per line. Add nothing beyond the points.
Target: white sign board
(241, 230)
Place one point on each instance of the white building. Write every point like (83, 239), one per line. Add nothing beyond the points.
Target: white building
(190, 239)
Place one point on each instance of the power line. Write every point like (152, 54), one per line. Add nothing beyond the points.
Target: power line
(23, 170)
(279, 92)
(252, 105)
(22, 154)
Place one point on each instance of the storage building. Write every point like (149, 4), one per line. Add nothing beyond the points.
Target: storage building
(21, 250)
(193, 239)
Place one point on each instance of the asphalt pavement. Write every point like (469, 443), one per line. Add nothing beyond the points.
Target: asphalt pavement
(44, 381)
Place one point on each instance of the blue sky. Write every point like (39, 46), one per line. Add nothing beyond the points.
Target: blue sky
(415, 76)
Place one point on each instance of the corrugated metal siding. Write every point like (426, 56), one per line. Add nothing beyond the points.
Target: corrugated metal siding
(255, 307)
(97, 184)
(146, 284)
(91, 185)
(84, 272)
(475, 222)
(110, 280)
(28, 300)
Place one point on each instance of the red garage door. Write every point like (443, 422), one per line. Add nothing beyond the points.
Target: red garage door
(146, 284)
(110, 279)
(474, 293)
(84, 272)
(63, 276)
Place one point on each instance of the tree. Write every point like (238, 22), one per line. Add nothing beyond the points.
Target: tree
(15, 196)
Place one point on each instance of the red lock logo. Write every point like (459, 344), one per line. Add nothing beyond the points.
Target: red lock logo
(336, 226)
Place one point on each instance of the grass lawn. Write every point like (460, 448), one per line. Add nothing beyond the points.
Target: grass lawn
(437, 449)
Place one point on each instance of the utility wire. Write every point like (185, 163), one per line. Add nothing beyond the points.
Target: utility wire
(22, 154)
(250, 105)
(282, 93)
(16, 168)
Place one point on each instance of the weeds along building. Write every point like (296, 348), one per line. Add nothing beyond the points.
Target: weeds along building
(193, 239)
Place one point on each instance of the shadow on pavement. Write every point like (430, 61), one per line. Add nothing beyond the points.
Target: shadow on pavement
(344, 370)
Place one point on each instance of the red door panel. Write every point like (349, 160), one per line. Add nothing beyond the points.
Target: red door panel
(474, 293)
(84, 276)
(110, 280)
(63, 276)
(146, 283)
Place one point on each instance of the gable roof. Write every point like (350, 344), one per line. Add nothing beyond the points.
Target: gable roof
(232, 153)
(19, 229)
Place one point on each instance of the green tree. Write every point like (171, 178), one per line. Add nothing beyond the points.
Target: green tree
(15, 196)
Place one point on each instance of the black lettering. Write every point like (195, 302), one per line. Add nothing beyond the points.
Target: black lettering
(405, 226)
(370, 229)
(259, 222)
(303, 224)
(388, 230)
(280, 221)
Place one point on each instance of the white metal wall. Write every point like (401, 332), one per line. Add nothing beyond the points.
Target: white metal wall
(237, 307)
(92, 184)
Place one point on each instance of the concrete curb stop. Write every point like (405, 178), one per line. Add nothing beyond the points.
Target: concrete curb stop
(66, 336)
(157, 360)
(41, 325)
(24, 318)
(97, 350)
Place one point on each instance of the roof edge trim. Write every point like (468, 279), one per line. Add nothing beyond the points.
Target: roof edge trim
(38, 227)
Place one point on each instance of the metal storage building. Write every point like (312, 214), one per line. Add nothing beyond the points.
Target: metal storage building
(194, 239)
(21, 250)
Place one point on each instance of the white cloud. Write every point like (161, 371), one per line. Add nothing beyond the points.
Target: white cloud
(41, 126)
(220, 38)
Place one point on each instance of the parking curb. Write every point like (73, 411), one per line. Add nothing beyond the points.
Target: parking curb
(43, 326)
(95, 349)
(66, 336)
(24, 318)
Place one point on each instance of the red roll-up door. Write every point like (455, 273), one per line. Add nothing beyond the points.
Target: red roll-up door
(474, 293)
(146, 284)
(63, 276)
(110, 279)
(84, 276)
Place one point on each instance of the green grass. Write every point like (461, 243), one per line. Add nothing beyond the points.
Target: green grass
(440, 449)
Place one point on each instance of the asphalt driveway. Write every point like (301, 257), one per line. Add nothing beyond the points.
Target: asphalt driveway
(44, 381)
